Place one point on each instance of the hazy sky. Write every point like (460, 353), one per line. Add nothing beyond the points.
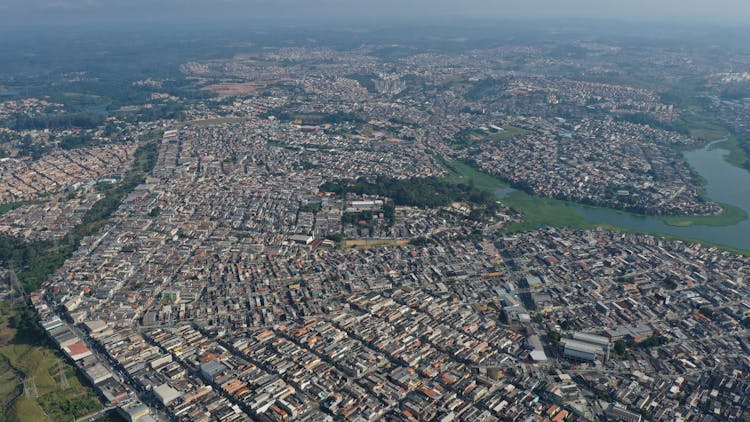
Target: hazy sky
(20, 12)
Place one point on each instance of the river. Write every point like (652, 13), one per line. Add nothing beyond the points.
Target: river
(725, 183)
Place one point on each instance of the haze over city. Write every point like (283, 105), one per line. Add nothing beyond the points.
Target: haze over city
(347, 210)
(23, 12)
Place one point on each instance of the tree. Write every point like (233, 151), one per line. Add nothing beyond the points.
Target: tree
(621, 348)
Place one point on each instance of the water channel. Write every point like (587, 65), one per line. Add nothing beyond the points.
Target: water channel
(725, 183)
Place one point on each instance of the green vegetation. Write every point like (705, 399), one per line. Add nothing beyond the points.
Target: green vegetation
(647, 119)
(421, 241)
(313, 207)
(35, 261)
(428, 192)
(111, 416)
(554, 337)
(730, 216)
(13, 205)
(621, 349)
(704, 125)
(336, 237)
(216, 121)
(26, 354)
(24, 349)
(469, 137)
(29, 148)
(76, 141)
(57, 121)
(653, 341)
(317, 118)
(389, 213)
(537, 211)
(541, 212)
(363, 218)
(174, 111)
(486, 88)
(737, 157)
(707, 312)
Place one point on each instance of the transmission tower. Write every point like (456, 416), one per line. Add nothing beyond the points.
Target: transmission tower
(64, 384)
(29, 388)
(16, 289)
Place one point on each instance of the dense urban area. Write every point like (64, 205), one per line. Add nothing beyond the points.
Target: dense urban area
(315, 230)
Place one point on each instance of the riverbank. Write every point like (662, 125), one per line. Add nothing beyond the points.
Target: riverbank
(540, 212)
(730, 216)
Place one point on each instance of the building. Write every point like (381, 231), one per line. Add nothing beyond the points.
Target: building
(579, 350)
(619, 414)
(166, 394)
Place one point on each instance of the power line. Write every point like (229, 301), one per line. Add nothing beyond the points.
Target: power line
(29, 388)
(64, 384)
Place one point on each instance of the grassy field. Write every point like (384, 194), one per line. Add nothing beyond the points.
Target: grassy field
(24, 357)
(737, 156)
(705, 129)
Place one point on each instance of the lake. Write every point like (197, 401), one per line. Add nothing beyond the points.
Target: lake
(725, 183)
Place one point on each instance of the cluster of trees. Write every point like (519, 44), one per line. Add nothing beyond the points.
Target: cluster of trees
(174, 111)
(57, 121)
(62, 403)
(313, 207)
(489, 87)
(28, 148)
(76, 141)
(33, 261)
(430, 192)
(653, 341)
(736, 91)
(649, 120)
(621, 346)
(317, 118)
(354, 218)
(421, 241)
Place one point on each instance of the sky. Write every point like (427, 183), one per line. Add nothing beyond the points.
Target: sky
(34, 12)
